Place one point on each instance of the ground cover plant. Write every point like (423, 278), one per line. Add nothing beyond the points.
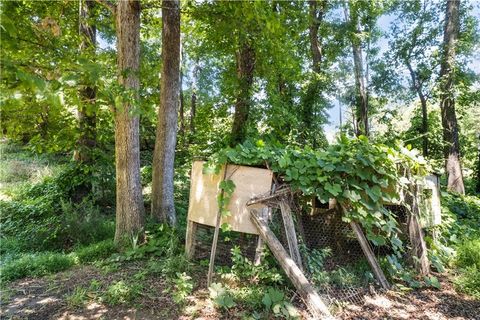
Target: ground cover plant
(105, 104)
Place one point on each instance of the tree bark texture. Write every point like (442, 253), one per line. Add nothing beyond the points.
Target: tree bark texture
(316, 10)
(245, 69)
(181, 113)
(361, 91)
(86, 113)
(193, 98)
(453, 166)
(130, 212)
(417, 86)
(163, 208)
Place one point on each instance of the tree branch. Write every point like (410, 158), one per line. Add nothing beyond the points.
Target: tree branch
(107, 4)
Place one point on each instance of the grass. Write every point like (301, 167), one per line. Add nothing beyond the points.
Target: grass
(36, 265)
(44, 263)
(468, 264)
(20, 167)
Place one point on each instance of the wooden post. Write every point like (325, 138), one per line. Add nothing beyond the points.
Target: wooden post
(311, 298)
(367, 250)
(415, 233)
(260, 243)
(215, 237)
(290, 233)
(190, 239)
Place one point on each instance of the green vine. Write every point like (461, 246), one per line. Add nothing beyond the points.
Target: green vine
(359, 174)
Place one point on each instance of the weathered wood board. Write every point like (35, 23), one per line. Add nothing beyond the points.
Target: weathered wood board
(249, 181)
(430, 208)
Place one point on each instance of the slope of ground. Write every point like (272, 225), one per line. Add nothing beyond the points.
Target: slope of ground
(59, 297)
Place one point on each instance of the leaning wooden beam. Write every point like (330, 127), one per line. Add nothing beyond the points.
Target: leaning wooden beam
(290, 233)
(215, 236)
(311, 298)
(367, 250)
(268, 197)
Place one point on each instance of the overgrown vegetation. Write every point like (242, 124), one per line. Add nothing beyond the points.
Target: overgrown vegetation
(89, 129)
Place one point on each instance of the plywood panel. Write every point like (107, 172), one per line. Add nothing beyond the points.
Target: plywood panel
(431, 211)
(249, 182)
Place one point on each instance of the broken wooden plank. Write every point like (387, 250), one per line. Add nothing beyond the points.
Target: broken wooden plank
(306, 291)
(290, 233)
(268, 197)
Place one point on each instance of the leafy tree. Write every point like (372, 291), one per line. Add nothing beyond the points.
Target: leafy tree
(163, 208)
(447, 100)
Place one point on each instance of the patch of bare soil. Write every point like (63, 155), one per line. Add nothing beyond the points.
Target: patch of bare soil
(425, 304)
(45, 298)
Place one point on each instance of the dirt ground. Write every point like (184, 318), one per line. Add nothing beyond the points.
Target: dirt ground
(45, 298)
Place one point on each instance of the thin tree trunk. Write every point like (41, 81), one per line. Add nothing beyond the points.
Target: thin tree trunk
(453, 166)
(163, 208)
(477, 186)
(417, 86)
(182, 102)
(362, 103)
(130, 212)
(86, 114)
(245, 68)
(316, 11)
(193, 99)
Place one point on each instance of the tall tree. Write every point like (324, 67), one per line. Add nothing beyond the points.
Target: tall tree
(163, 208)
(130, 212)
(317, 12)
(245, 58)
(353, 22)
(193, 98)
(414, 36)
(86, 113)
(453, 166)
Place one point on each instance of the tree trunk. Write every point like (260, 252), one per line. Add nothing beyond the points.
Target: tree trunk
(163, 208)
(130, 212)
(447, 100)
(361, 92)
(86, 114)
(477, 186)
(417, 86)
(245, 68)
(316, 13)
(316, 17)
(182, 102)
(193, 99)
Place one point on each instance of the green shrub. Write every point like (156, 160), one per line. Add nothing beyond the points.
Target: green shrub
(121, 292)
(41, 226)
(469, 281)
(36, 265)
(77, 298)
(96, 251)
(468, 254)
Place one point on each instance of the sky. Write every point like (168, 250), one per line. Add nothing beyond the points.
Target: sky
(384, 23)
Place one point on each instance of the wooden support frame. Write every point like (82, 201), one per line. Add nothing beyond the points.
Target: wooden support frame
(367, 250)
(215, 237)
(290, 233)
(418, 252)
(306, 291)
(190, 239)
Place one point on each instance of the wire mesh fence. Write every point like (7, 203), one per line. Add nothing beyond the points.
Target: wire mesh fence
(331, 256)
(247, 243)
